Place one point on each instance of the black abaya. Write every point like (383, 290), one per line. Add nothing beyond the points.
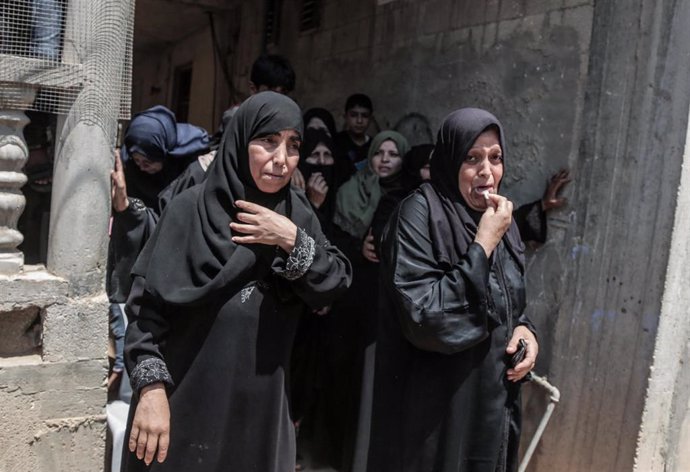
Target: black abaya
(441, 399)
(215, 320)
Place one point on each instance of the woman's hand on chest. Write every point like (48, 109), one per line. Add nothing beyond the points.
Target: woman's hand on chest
(259, 225)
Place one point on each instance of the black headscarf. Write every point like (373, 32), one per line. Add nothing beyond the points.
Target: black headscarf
(191, 255)
(335, 174)
(417, 157)
(324, 115)
(452, 222)
(312, 138)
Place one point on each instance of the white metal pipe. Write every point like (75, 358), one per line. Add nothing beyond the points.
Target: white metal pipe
(554, 397)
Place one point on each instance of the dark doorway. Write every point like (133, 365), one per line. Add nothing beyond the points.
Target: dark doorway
(182, 88)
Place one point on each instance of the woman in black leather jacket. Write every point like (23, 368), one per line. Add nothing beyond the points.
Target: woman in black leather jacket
(446, 397)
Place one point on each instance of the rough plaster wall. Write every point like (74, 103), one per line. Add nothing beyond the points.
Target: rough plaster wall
(596, 287)
(677, 434)
(52, 416)
(680, 457)
(83, 163)
(524, 60)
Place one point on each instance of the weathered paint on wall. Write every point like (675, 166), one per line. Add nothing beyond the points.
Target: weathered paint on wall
(528, 70)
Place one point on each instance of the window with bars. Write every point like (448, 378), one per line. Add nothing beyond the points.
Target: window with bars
(310, 15)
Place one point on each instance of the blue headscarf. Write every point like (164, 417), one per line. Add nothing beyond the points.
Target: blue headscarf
(155, 134)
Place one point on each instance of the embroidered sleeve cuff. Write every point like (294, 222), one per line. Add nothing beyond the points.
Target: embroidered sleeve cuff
(150, 371)
(301, 257)
(135, 205)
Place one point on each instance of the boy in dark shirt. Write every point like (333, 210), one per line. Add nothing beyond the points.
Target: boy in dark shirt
(353, 141)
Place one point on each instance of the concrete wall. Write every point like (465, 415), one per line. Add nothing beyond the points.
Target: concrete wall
(598, 87)
(615, 253)
(664, 438)
(51, 395)
(526, 61)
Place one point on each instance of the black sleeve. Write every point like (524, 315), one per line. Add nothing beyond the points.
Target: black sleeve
(129, 232)
(524, 320)
(145, 338)
(384, 210)
(440, 311)
(132, 227)
(319, 271)
(531, 221)
(191, 176)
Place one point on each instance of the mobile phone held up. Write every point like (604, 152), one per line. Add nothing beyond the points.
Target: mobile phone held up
(519, 354)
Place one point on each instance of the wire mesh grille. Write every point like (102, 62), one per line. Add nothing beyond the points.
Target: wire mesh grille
(58, 53)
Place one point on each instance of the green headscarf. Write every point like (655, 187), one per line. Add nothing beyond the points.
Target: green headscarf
(358, 198)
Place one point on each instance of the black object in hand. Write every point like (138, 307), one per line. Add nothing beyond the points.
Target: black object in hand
(520, 353)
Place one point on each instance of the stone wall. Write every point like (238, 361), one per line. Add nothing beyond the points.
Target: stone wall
(52, 368)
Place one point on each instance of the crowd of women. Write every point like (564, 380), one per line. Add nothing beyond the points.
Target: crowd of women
(362, 295)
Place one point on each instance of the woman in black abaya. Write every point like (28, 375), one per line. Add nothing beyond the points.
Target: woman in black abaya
(160, 158)
(324, 172)
(215, 302)
(452, 311)
(352, 319)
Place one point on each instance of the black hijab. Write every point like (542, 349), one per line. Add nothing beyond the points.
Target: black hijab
(324, 115)
(191, 255)
(417, 157)
(334, 174)
(452, 222)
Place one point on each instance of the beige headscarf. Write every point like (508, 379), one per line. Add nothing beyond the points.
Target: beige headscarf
(358, 198)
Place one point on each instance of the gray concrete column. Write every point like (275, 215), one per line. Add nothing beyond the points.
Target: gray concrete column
(624, 205)
(81, 187)
(13, 156)
(664, 433)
